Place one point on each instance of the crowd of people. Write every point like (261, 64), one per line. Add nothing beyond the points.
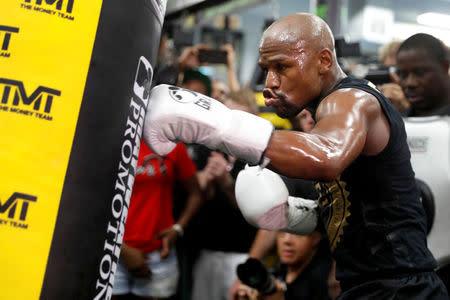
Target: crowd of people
(185, 234)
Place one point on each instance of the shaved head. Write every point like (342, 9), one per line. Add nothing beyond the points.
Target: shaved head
(301, 29)
(298, 57)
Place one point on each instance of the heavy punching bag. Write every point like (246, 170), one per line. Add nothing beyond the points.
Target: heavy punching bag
(74, 84)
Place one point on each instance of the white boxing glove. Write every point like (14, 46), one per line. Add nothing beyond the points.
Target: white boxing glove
(264, 201)
(175, 114)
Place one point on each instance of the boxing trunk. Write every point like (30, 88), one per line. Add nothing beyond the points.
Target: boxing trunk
(429, 143)
(74, 85)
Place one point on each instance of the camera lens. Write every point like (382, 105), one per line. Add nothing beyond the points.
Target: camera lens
(254, 274)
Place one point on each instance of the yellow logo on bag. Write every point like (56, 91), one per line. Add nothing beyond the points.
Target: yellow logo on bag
(37, 104)
(14, 210)
(45, 54)
(60, 8)
(6, 34)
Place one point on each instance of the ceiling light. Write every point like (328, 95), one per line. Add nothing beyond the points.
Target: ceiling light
(434, 19)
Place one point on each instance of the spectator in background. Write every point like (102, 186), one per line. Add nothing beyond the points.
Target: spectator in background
(423, 74)
(242, 99)
(233, 82)
(165, 70)
(387, 53)
(221, 232)
(211, 241)
(147, 266)
(188, 247)
(196, 81)
(189, 60)
(215, 177)
(303, 121)
(219, 90)
(392, 90)
(303, 273)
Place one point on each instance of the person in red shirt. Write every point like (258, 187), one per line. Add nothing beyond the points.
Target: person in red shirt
(148, 265)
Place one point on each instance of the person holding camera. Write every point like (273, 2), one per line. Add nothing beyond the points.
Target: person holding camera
(202, 55)
(392, 90)
(423, 72)
(302, 273)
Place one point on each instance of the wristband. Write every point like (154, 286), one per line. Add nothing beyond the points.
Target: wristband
(178, 228)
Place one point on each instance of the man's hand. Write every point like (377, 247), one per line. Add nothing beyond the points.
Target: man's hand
(234, 291)
(189, 57)
(168, 237)
(218, 168)
(231, 55)
(217, 165)
(245, 292)
(394, 92)
(136, 261)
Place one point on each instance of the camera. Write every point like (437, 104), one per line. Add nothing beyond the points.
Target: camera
(380, 75)
(255, 275)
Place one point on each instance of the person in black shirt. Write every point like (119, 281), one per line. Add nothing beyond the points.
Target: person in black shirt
(303, 272)
(357, 153)
(423, 73)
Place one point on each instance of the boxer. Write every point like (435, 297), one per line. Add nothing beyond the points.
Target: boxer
(357, 152)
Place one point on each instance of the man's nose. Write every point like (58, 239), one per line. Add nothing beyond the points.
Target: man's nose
(272, 80)
(410, 80)
(287, 238)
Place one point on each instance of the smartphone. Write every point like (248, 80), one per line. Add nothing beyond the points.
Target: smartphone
(212, 56)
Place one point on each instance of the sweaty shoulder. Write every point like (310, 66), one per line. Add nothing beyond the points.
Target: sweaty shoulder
(357, 110)
(348, 101)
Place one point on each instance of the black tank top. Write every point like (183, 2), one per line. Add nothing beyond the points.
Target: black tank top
(372, 213)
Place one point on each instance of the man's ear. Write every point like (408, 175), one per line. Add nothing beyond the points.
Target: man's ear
(325, 61)
(316, 236)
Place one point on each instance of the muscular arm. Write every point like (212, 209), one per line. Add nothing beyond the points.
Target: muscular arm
(349, 122)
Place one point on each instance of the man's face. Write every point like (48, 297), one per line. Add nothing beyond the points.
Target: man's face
(292, 77)
(219, 90)
(294, 249)
(306, 120)
(303, 121)
(422, 78)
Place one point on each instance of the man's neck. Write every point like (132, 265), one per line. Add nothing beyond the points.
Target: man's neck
(336, 76)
